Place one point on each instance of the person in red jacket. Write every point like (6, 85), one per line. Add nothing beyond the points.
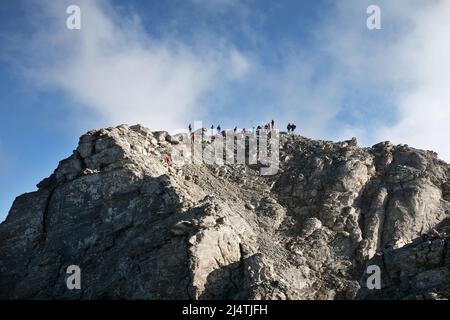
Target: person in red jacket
(168, 159)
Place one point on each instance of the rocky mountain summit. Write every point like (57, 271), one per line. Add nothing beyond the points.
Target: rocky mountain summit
(140, 228)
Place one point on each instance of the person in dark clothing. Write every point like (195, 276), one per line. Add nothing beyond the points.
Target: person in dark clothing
(289, 127)
(293, 126)
(190, 128)
(272, 123)
(218, 128)
(235, 129)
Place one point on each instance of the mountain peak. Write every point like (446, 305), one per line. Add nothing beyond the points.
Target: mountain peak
(140, 225)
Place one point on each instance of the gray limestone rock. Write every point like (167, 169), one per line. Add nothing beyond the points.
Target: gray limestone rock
(140, 228)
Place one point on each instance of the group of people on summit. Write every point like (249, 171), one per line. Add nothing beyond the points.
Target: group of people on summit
(291, 127)
(268, 126)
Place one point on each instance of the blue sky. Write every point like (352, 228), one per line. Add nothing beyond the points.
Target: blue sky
(168, 63)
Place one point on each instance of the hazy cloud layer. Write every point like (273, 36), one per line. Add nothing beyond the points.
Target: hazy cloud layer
(389, 84)
(406, 64)
(114, 68)
(422, 56)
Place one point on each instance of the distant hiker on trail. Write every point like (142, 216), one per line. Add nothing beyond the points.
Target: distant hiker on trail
(168, 159)
(293, 126)
(190, 128)
(235, 129)
(218, 128)
(289, 127)
(212, 129)
(272, 123)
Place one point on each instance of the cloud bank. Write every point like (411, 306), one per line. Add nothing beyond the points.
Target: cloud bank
(424, 108)
(404, 63)
(389, 84)
(119, 73)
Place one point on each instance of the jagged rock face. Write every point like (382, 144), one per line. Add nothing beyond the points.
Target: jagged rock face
(140, 229)
(418, 270)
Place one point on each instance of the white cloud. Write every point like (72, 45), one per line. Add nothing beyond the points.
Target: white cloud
(239, 63)
(406, 63)
(115, 69)
(424, 110)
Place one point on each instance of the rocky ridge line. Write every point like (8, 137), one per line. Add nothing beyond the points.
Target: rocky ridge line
(141, 229)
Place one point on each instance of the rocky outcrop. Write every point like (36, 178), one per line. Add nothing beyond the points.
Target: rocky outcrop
(418, 270)
(142, 229)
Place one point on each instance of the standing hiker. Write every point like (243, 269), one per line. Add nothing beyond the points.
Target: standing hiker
(168, 159)
(272, 123)
(293, 126)
(190, 128)
(218, 128)
(289, 127)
